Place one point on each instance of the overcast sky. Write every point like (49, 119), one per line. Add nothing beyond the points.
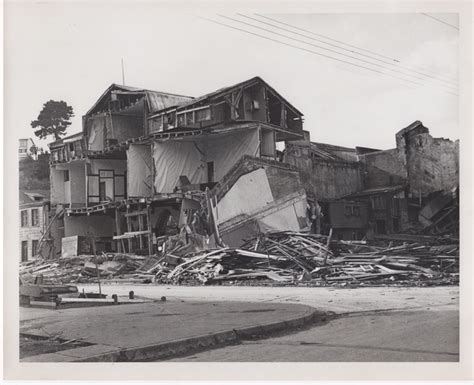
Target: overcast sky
(72, 52)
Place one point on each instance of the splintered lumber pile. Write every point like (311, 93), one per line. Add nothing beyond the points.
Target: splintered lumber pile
(81, 268)
(290, 257)
(276, 257)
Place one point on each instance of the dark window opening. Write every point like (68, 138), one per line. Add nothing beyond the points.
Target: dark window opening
(34, 247)
(396, 225)
(102, 195)
(274, 110)
(210, 172)
(24, 251)
(380, 227)
(66, 175)
(24, 218)
(34, 217)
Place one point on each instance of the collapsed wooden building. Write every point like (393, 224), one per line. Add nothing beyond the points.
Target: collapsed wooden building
(149, 164)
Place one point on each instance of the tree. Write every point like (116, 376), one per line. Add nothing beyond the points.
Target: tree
(53, 119)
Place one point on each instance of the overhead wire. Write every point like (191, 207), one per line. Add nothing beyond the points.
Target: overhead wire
(317, 53)
(351, 50)
(349, 45)
(334, 51)
(440, 21)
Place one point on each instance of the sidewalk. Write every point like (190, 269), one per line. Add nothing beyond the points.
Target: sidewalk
(156, 330)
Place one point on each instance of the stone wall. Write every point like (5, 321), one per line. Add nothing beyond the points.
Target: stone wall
(327, 179)
(384, 168)
(433, 164)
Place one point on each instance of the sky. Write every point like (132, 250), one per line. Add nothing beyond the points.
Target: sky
(73, 52)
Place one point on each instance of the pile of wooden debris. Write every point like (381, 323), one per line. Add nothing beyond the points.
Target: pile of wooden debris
(290, 257)
(279, 257)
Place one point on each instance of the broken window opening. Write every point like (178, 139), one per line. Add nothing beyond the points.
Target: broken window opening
(274, 110)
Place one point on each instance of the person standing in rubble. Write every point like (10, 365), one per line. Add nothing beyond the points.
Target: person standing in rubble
(315, 214)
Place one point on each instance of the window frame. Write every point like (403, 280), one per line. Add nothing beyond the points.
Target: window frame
(34, 217)
(24, 218)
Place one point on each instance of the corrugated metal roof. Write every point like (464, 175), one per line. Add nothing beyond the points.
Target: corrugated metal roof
(159, 100)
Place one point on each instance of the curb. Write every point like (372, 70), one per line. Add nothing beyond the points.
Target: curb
(170, 349)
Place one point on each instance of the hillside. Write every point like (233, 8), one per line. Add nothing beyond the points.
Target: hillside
(34, 174)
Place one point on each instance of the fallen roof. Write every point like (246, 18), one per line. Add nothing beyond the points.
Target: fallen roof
(28, 196)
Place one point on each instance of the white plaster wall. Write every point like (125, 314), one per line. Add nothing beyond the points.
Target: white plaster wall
(250, 192)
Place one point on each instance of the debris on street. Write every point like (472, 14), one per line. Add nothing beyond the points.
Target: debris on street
(278, 257)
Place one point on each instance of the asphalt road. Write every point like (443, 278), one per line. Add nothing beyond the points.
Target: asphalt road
(401, 336)
(373, 324)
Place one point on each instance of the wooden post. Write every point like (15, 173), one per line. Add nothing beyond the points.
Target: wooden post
(129, 229)
(150, 235)
(327, 246)
(140, 228)
(118, 229)
(87, 183)
(95, 260)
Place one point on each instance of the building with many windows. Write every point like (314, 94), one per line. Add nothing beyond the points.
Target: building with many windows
(34, 212)
(25, 147)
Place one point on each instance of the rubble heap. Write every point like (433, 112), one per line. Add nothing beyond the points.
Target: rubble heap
(278, 258)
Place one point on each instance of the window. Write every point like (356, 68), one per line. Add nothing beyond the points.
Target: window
(210, 172)
(351, 210)
(24, 251)
(23, 142)
(66, 175)
(378, 202)
(24, 218)
(203, 114)
(34, 247)
(356, 211)
(196, 115)
(34, 217)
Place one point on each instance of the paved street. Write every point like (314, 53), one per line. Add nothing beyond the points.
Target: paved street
(373, 324)
(408, 336)
(338, 300)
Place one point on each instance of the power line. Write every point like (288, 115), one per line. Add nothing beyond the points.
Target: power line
(350, 50)
(341, 42)
(333, 51)
(314, 52)
(441, 21)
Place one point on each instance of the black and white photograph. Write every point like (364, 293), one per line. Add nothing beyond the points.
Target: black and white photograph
(241, 184)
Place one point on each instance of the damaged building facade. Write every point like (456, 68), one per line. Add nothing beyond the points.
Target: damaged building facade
(412, 187)
(149, 164)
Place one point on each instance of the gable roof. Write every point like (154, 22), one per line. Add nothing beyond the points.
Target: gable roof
(156, 100)
(244, 84)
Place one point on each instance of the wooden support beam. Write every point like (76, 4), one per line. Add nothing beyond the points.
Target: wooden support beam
(140, 230)
(118, 229)
(150, 235)
(129, 230)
